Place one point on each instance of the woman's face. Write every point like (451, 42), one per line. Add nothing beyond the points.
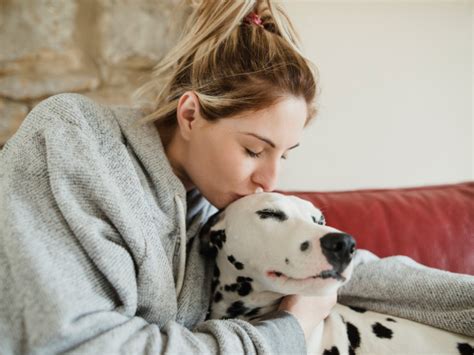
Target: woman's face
(234, 157)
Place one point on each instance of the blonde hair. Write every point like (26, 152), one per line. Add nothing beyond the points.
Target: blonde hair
(231, 65)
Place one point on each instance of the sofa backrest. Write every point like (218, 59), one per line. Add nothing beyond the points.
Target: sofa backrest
(433, 224)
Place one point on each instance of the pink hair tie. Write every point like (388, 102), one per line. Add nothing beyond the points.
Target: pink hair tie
(253, 18)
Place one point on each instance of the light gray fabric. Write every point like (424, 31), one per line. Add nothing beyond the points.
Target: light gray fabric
(401, 287)
(89, 251)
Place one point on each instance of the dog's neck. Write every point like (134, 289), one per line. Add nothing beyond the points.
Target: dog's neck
(237, 295)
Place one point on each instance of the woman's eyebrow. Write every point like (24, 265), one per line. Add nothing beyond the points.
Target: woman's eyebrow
(266, 140)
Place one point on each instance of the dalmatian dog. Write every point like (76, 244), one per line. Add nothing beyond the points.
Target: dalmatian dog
(268, 245)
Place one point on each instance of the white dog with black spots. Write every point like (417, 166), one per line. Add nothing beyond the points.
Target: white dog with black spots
(268, 245)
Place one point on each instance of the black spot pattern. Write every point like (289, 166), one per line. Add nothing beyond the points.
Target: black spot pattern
(217, 297)
(273, 214)
(243, 286)
(391, 320)
(236, 309)
(215, 278)
(358, 309)
(334, 351)
(253, 312)
(207, 248)
(218, 238)
(382, 331)
(217, 272)
(465, 349)
(354, 337)
(237, 264)
(321, 221)
(287, 261)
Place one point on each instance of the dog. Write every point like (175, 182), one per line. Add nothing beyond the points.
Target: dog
(268, 245)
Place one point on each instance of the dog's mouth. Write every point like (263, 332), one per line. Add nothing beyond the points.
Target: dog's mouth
(326, 274)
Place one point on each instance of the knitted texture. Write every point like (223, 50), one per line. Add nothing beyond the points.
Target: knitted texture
(88, 243)
(402, 287)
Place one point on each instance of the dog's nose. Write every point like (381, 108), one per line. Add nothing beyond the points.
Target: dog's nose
(338, 249)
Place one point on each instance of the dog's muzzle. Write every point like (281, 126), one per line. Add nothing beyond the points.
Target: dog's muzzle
(338, 248)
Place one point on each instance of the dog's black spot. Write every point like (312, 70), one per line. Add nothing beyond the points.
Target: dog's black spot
(278, 274)
(243, 286)
(215, 283)
(207, 248)
(218, 238)
(217, 272)
(334, 351)
(245, 289)
(231, 287)
(321, 221)
(236, 309)
(215, 278)
(244, 279)
(274, 214)
(391, 320)
(287, 261)
(237, 264)
(253, 312)
(465, 349)
(358, 309)
(382, 331)
(217, 297)
(353, 335)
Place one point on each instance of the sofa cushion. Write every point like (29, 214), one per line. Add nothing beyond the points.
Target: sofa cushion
(432, 224)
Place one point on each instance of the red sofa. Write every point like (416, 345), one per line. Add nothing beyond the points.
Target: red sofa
(434, 225)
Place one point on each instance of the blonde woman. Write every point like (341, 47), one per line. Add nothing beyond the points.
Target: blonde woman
(100, 206)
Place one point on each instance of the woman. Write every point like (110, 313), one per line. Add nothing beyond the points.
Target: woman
(99, 213)
(100, 206)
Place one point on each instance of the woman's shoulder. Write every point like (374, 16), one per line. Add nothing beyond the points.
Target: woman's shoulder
(76, 111)
(71, 108)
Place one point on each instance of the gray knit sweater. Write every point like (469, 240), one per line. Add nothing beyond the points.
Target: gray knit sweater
(97, 246)
(98, 252)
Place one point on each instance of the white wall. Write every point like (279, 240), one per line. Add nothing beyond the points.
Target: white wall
(396, 107)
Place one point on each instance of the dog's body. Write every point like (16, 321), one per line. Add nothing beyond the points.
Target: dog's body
(268, 245)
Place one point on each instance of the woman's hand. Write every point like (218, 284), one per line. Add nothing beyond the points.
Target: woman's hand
(309, 310)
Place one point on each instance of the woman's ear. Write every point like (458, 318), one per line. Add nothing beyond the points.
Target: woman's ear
(187, 113)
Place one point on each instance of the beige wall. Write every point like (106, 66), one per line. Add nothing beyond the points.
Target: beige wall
(101, 48)
(396, 77)
(396, 103)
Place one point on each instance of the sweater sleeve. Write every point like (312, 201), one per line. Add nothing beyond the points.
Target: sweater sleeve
(400, 286)
(68, 276)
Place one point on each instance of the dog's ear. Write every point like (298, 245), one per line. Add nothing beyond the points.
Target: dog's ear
(207, 236)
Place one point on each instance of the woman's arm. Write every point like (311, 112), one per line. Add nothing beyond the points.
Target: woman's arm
(401, 287)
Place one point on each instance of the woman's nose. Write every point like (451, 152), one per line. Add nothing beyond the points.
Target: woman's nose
(266, 176)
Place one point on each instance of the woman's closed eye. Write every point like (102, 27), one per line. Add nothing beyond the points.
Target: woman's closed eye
(253, 154)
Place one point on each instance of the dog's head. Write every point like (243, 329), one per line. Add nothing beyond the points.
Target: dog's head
(281, 243)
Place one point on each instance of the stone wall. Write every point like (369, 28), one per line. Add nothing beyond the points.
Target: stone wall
(101, 48)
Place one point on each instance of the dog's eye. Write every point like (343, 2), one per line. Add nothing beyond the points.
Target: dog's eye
(321, 221)
(273, 214)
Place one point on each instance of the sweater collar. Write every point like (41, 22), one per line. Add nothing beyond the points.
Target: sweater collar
(147, 146)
